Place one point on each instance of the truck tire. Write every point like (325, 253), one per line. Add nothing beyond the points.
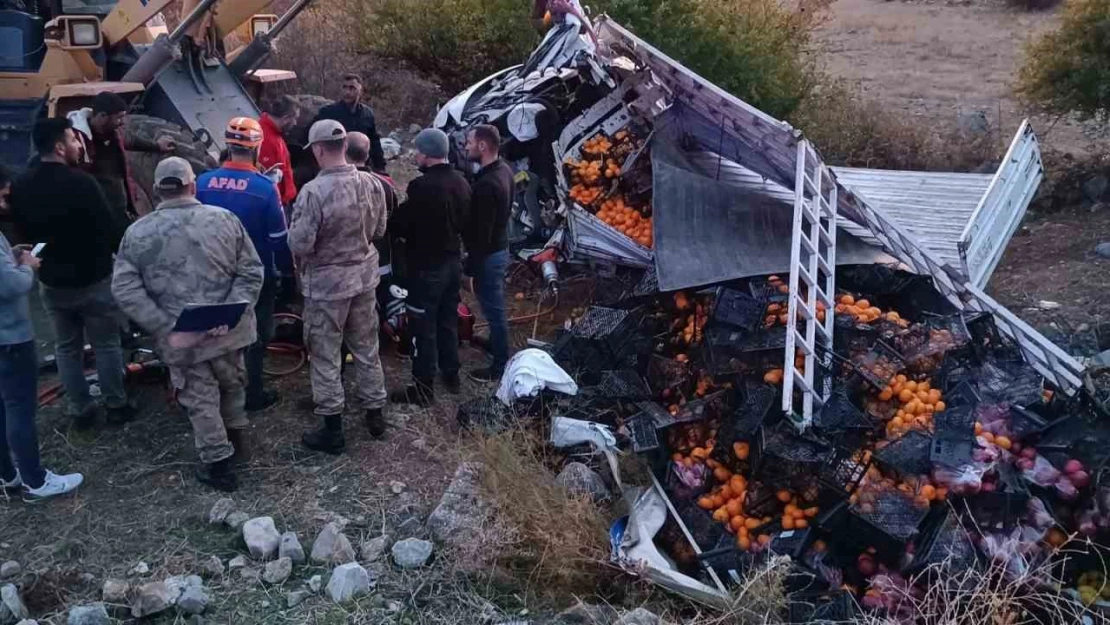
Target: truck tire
(142, 164)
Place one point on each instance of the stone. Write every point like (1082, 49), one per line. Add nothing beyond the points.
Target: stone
(212, 567)
(141, 568)
(278, 571)
(461, 516)
(391, 148)
(28, 621)
(220, 510)
(250, 574)
(291, 548)
(194, 600)
(236, 520)
(196, 619)
(152, 598)
(296, 597)
(414, 129)
(587, 614)
(393, 607)
(115, 591)
(10, 569)
(11, 605)
(92, 614)
(420, 444)
(1094, 189)
(373, 549)
(88, 578)
(262, 538)
(315, 583)
(397, 487)
(580, 480)
(347, 582)
(412, 553)
(237, 562)
(1103, 250)
(332, 547)
(639, 616)
(175, 585)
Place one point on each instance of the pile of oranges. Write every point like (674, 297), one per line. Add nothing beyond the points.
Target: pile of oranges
(874, 485)
(627, 220)
(598, 145)
(919, 402)
(864, 312)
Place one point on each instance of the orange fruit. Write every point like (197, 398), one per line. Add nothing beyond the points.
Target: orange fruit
(741, 450)
(1055, 538)
(737, 483)
(787, 522)
(800, 524)
(764, 539)
(751, 524)
(736, 522)
(705, 503)
(720, 515)
(929, 492)
(886, 394)
(906, 396)
(940, 406)
(847, 300)
(733, 507)
(863, 304)
(726, 492)
(1004, 442)
(911, 386)
(743, 543)
(784, 496)
(811, 512)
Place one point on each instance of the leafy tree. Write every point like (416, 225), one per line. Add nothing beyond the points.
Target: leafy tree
(1068, 70)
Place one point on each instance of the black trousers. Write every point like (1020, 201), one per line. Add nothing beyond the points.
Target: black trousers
(433, 308)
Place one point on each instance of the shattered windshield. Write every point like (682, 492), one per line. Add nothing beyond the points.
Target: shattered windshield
(87, 7)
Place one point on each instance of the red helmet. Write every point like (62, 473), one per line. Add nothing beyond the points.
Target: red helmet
(243, 131)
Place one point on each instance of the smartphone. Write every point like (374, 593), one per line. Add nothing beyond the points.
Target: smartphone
(35, 251)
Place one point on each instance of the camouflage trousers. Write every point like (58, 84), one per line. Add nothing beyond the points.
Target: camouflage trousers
(328, 325)
(212, 393)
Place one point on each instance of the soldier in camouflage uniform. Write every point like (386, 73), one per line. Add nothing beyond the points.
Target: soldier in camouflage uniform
(335, 218)
(187, 252)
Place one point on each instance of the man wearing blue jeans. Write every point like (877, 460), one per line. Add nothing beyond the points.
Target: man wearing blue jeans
(59, 205)
(486, 240)
(19, 378)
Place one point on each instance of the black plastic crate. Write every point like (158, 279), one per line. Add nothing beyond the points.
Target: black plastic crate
(840, 414)
(879, 365)
(1024, 422)
(844, 471)
(648, 284)
(849, 336)
(761, 288)
(485, 413)
(642, 432)
(668, 374)
(710, 406)
(623, 384)
(1014, 382)
(823, 608)
(727, 561)
(793, 543)
(745, 425)
(700, 523)
(942, 544)
(951, 452)
(736, 309)
(736, 351)
(886, 523)
(657, 413)
(962, 394)
(956, 423)
(1003, 508)
(600, 322)
(792, 460)
(910, 455)
(875, 279)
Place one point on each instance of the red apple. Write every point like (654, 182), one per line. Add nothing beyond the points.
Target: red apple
(1080, 478)
(1073, 465)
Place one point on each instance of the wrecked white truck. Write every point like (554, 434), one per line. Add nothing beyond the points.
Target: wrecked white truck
(806, 355)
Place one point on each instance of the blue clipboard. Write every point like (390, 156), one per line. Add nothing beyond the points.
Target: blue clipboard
(205, 317)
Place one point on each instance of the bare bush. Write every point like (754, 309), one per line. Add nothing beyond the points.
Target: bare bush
(853, 131)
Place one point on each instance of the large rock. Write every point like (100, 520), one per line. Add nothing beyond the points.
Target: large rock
(153, 598)
(291, 548)
(412, 553)
(115, 591)
(11, 606)
(10, 569)
(194, 600)
(332, 547)
(212, 566)
(1103, 250)
(391, 148)
(347, 582)
(587, 614)
(462, 514)
(278, 571)
(373, 549)
(220, 510)
(580, 480)
(262, 538)
(93, 614)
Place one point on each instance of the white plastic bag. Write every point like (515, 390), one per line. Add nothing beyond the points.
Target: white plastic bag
(531, 371)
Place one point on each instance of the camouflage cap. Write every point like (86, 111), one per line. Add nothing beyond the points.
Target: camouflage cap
(173, 173)
(326, 130)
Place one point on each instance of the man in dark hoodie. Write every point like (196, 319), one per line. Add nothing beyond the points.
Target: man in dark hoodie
(430, 223)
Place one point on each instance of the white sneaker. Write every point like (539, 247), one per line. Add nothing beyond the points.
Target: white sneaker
(53, 486)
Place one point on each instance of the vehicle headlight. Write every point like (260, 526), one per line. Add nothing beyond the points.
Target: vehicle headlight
(84, 33)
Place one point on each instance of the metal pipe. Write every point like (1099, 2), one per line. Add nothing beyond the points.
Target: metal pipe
(262, 46)
(192, 18)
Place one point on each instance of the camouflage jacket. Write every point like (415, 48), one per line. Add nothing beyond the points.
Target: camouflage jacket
(335, 218)
(184, 253)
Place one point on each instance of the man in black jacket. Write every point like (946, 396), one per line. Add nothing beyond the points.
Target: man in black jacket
(430, 222)
(487, 243)
(57, 204)
(356, 117)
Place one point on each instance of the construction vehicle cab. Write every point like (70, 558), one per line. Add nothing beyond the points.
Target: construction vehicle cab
(55, 55)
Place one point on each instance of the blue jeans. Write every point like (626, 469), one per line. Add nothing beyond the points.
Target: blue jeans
(76, 314)
(489, 286)
(19, 369)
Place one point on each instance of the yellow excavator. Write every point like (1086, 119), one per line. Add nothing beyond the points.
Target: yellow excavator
(55, 55)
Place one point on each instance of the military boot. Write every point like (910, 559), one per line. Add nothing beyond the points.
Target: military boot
(375, 422)
(239, 440)
(219, 475)
(328, 439)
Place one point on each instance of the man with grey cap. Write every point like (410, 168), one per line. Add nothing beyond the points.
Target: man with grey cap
(430, 222)
(335, 219)
(186, 253)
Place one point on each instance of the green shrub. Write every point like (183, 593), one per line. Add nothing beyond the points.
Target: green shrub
(1068, 70)
(758, 50)
(458, 42)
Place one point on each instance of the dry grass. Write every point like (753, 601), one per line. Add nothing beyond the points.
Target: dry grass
(853, 130)
(553, 544)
